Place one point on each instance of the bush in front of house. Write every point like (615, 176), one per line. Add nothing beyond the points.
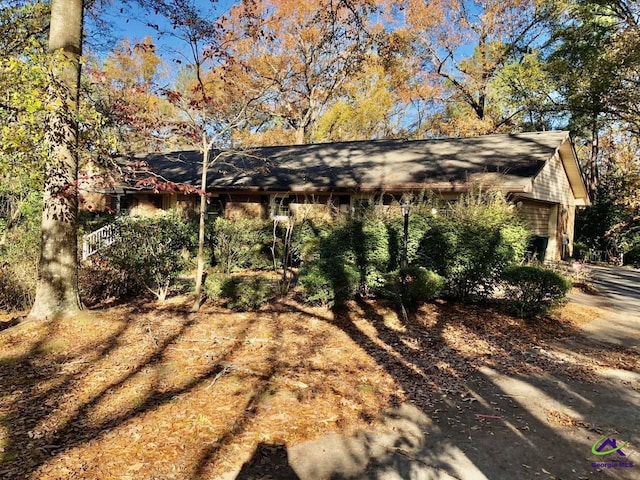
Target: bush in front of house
(15, 293)
(370, 247)
(152, 251)
(239, 293)
(533, 290)
(328, 281)
(306, 240)
(419, 224)
(247, 293)
(472, 243)
(99, 280)
(238, 244)
(357, 244)
(413, 286)
(214, 283)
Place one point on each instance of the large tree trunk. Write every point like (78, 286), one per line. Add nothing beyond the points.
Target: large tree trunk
(57, 289)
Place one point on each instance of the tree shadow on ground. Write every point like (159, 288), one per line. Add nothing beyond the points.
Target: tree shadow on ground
(57, 394)
(91, 406)
(500, 400)
(516, 408)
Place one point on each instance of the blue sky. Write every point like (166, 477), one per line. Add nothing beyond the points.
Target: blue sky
(130, 21)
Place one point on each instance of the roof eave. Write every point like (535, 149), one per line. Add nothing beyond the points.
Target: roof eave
(567, 153)
(442, 187)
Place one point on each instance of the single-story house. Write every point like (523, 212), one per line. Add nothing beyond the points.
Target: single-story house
(538, 172)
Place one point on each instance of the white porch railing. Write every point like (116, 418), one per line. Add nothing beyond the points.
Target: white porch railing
(95, 241)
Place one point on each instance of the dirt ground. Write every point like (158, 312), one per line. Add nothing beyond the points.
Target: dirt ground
(142, 391)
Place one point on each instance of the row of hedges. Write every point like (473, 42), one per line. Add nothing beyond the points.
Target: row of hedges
(464, 254)
(468, 248)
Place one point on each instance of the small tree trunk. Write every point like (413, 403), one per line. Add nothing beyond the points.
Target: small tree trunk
(203, 215)
(593, 173)
(57, 288)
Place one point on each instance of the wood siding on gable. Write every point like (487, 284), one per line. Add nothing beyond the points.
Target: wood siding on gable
(552, 184)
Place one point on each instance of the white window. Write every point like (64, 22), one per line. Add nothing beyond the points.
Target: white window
(280, 206)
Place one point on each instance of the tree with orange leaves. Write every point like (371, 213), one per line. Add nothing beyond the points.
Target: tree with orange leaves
(463, 46)
(300, 53)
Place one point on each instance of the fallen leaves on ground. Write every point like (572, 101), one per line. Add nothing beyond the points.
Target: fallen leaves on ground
(561, 419)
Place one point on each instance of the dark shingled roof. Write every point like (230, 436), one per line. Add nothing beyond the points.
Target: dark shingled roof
(507, 160)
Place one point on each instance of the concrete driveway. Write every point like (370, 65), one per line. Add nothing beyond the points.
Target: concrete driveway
(621, 288)
(621, 285)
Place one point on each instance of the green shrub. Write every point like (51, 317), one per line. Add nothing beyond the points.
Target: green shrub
(152, 251)
(316, 287)
(247, 293)
(16, 294)
(419, 224)
(306, 240)
(413, 286)
(100, 281)
(471, 245)
(328, 281)
(361, 243)
(338, 242)
(238, 244)
(370, 246)
(19, 254)
(532, 291)
(214, 284)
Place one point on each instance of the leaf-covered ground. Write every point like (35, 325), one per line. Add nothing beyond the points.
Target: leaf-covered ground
(155, 392)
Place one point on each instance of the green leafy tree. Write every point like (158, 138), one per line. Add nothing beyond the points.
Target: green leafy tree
(366, 110)
(595, 69)
(23, 80)
(527, 93)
